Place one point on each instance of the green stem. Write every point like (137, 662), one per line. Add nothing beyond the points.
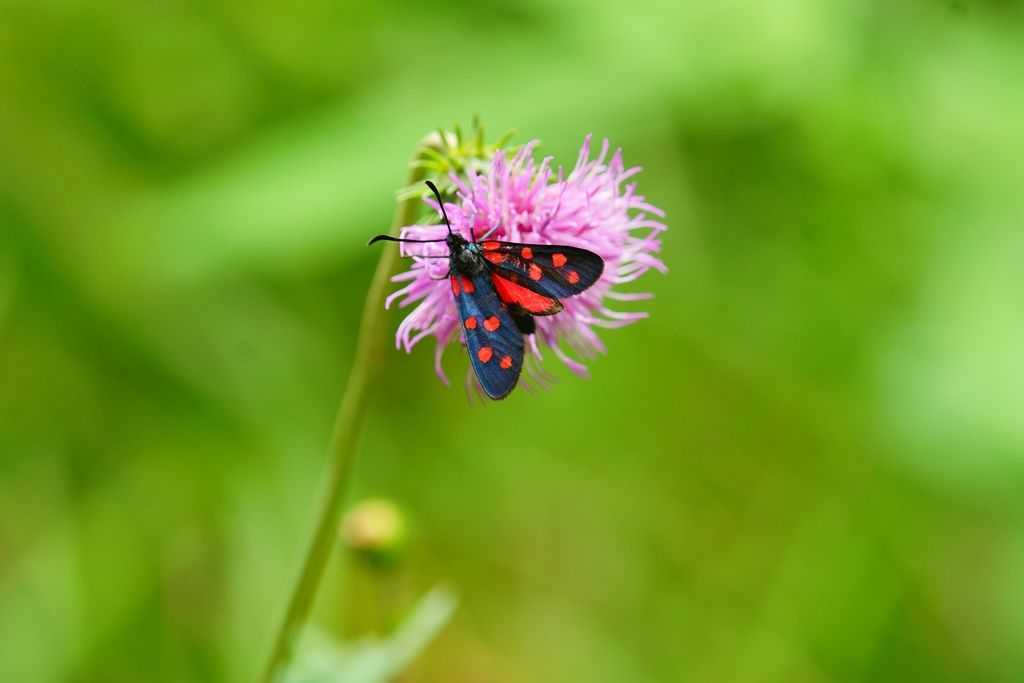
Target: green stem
(334, 486)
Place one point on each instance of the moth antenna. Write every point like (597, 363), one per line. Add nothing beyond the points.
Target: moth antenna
(389, 238)
(440, 203)
(444, 213)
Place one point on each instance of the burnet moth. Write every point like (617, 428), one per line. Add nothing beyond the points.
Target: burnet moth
(499, 286)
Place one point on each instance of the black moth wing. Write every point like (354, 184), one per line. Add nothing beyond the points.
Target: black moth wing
(524, 319)
(552, 270)
(493, 339)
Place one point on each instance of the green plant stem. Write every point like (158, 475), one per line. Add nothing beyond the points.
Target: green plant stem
(340, 453)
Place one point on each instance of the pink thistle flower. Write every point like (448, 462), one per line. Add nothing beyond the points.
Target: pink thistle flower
(519, 200)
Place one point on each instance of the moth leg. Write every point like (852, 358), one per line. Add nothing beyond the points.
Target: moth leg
(490, 231)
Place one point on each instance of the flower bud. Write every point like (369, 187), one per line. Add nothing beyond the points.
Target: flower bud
(375, 529)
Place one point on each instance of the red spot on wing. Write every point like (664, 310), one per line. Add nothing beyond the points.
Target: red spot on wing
(535, 272)
(455, 286)
(492, 323)
(490, 246)
(494, 257)
(471, 323)
(512, 293)
(573, 277)
(527, 253)
(467, 285)
(485, 353)
(506, 362)
(558, 259)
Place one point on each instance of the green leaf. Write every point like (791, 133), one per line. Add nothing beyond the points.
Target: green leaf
(373, 660)
(504, 138)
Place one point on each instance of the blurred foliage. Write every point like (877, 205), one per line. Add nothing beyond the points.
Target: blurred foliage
(807, 465)
(373, 660)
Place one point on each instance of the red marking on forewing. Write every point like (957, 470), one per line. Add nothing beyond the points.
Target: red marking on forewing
(494, 257)
(558, 259)
(512, 293)
(467, 285)
(492, 323)
(490, 246)
(506, 362)
(535, 272)
(527, 253)
(471, 323)
(573, 277)
(485, 353)
(455, 286)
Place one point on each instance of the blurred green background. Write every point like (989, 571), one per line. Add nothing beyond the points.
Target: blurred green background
(807, 465)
